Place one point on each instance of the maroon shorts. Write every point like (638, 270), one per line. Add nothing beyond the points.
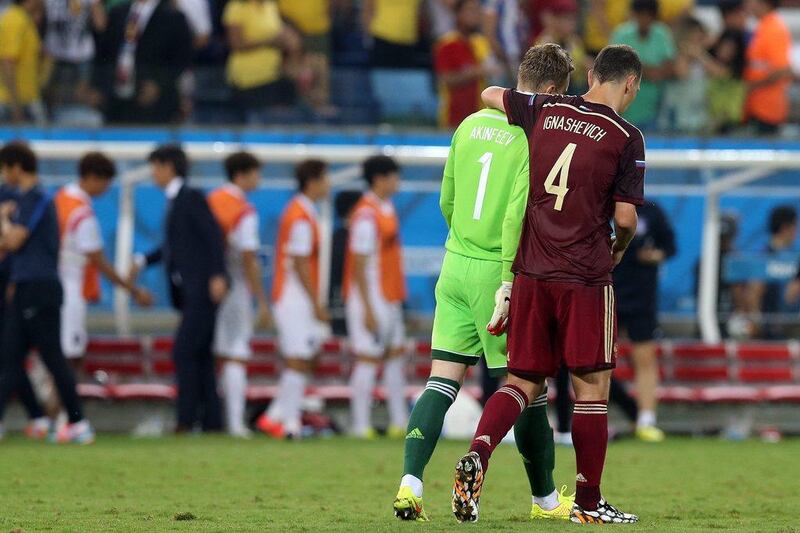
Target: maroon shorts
(554, 323)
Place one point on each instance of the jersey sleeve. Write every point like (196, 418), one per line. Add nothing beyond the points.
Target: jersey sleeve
(301, 239)
(629, 183)
(245, 236)
(513, 219)
(521, 109)
(12, 30)
(448, 192)
(363, 235)
(88, 238)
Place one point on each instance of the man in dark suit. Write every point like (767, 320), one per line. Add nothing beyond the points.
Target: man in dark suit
(139, 60)
(193, 253)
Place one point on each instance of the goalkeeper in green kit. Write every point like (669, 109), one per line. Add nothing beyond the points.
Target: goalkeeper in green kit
(483, 199)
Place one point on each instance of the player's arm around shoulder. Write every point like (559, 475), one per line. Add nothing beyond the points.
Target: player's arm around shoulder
(493, 97)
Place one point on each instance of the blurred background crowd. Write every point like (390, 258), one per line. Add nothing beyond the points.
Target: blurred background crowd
(711, 66)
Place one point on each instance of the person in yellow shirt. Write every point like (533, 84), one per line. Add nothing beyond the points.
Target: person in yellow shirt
(258, 39)
(20, 63)
(394, 28)
(605, 15)
(311, 70)
(560, 26)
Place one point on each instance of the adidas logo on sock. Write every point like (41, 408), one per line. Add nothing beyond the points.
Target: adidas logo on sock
(415, 434)
(580, 477)
(485, 438)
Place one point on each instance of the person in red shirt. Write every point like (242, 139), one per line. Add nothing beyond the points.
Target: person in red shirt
(459, 63)
(586, 169)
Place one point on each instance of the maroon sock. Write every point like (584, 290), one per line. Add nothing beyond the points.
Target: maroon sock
(499, 415)
(590, 438)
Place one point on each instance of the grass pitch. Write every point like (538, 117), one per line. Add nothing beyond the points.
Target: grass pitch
(220, 484)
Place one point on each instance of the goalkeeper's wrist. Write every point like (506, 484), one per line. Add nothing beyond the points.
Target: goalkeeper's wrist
(507, 274)
(507, 284)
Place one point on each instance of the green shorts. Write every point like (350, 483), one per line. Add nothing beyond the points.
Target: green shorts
(464, 306)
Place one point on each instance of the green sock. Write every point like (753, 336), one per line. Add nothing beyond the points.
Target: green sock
(425, 423)
(534, 438)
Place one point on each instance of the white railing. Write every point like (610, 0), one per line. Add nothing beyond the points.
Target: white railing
(745, 166)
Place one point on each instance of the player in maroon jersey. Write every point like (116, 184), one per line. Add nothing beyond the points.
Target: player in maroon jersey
(587, 168)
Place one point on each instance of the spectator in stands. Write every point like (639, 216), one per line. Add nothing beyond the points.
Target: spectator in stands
(560, 25)
(29, 233)
(460, 63)
(394, 28)
(240, 226)
(258, 39)
(726, 90)
(636, 294)
(442, 16)
(602, 17)
(139, 62)
(374, 287)
(38, 424)
(198, 16)
(193, 251)
(81, 257)
(311, 70)
(653, 41)
(768, 73)
(20, 63)
(686, 98)
(505, 27)
(768, 297)
(69, 41)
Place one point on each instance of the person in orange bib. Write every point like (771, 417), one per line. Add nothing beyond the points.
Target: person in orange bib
(239, 222)
(81, 259)
(300, 315)
(374, 290)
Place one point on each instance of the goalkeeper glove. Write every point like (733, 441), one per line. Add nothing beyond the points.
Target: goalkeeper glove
(502, 298)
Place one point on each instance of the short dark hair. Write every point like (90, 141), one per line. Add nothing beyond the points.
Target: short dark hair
(645, 6)
(774, 4)
(460, 4)
(240, 162)
(173, 154)
(18, 153)
(726, 7)
(308, 171)
(781, 216)
(617, 62)
(542, 64)
(379, 165)
(96, 164)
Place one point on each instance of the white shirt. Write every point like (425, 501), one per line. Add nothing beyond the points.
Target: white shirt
(198, 15)
(69, 30)
(242, 238)
(81, 237)
(300, 244)
(173, 188)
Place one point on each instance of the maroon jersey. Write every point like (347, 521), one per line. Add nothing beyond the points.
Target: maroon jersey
(584, 157)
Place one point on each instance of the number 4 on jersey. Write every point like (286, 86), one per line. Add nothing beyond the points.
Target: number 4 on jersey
(561, 168)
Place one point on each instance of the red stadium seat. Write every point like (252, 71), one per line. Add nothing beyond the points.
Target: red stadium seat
(699, 351)
(765, 374)
(764, 352)
(113, 346)
(701, 373)
(678, 394)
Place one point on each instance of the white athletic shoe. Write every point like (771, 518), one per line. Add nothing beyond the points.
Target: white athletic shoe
(240, 433)
(77, 433)
(562, 439)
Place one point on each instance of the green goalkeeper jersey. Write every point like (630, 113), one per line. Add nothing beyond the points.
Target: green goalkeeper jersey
(485, 189)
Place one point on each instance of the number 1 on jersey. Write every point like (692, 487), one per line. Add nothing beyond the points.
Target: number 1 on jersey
(486, 163)
(562, 169)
